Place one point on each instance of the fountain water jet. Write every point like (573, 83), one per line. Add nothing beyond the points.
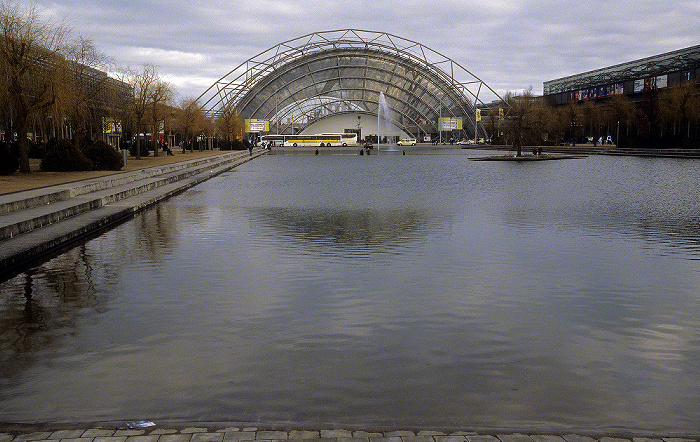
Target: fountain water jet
(386, 123)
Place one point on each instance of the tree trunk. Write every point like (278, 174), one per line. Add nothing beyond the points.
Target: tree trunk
(138, 142)
(23, 146)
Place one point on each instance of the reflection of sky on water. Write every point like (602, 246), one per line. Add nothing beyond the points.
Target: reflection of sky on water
(416, 290)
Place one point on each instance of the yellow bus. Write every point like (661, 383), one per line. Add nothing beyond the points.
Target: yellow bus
(320, 140)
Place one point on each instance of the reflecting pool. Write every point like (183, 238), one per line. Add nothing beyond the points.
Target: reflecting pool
(420, 290)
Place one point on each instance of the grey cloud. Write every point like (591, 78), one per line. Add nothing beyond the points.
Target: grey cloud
(509, 44)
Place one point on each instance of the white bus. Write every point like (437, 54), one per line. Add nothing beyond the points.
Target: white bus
(320, 140)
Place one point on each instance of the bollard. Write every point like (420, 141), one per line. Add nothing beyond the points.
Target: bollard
(124, 155)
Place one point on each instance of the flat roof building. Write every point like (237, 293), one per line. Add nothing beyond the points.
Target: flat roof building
(630, 78)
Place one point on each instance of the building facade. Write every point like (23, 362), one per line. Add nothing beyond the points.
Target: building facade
(630, 78)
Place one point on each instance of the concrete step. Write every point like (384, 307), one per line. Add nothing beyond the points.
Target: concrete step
(32, 198)
(90, 196)
(33, 245)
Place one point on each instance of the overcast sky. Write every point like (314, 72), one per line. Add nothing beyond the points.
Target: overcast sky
(509, 44)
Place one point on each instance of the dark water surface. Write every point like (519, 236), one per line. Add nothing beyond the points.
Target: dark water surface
(417, 290)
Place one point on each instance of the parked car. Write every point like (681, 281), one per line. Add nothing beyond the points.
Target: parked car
(407, 142)
(465, 142)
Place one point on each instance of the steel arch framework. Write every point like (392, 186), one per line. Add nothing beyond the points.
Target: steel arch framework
(318, 75)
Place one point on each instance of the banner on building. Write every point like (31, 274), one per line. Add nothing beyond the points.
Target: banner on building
(111, 126)
(254, 125)
(645, 84)
(450, 124)
(599, 92)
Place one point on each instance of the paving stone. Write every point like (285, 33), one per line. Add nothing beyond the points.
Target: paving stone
(192, 430)
(149, 438)
(578, 438)
(482, 438)
(430, 433)
(646, 439)
(400, 433)
(304, 434)
(163, 431)
(417, 438)
(516, 437)
(385, 439)
(239, 435)
(250, 429)
(450, 438)
(66, 434)
(676, 439)
(208, 437)
(334, 434)
(464, 433)
(38, 435)
(352, 439)
(110, 439)
(5, 437)
(129, 432)
(271, 435)
(614, 439)
(226, 430)
(76, 439)
(175, 438)
(97, 432)
(366, 434)
(547, 438)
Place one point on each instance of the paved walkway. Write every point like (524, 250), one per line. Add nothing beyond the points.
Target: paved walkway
(236, 434)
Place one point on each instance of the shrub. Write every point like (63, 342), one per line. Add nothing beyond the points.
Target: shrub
(145, 147)
(234, 145)
(36, 150)
(63, 156)
(238, 145)
(8, 162)
(104, 156)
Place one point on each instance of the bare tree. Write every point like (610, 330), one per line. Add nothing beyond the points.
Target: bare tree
(190, 119)
(31, 62)
(143, 85)
(229, 122)
(521, 122)
(681, 107)
(86, 84)
(619, 111)
(162, 94)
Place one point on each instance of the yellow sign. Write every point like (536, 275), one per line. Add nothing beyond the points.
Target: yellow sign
(111, 126)
(500, 113)
(478, 115)
(450, 124)
(254, 125)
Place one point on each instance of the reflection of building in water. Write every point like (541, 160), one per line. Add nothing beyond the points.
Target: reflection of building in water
(349, 231)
